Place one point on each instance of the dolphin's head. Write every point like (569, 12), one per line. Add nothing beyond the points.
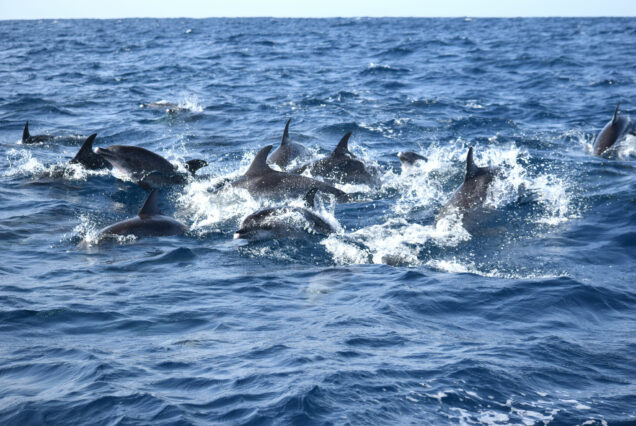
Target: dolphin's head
(409, 157)
(253, 234)
(112, 155)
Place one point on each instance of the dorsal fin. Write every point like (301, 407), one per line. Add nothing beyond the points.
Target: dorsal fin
(343, 146)
(310, 197)
(615, 116)
(285, 139)
(471, 167)
(151, 206)
(259, 163)
(85, 151)
(25, 133)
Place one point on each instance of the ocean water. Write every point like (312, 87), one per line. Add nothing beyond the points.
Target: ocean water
(530, 319)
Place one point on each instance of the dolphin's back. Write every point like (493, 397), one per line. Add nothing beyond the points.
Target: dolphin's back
(158, 225)
(613, 131)
(138, 159)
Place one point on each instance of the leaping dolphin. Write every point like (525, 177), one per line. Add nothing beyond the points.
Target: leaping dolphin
(147, 169)
(287, 151)
(409, 158)
(284, 222)
(615, 130)
(148, 222)
(473, 191)
(27, 138)
(341, 166)
(263, 181)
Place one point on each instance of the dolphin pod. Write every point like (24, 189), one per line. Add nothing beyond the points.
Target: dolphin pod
(150, 171)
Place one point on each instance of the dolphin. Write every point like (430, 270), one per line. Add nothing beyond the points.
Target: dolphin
(472, 193)
(616, 129)
(27, 138)
(263, 181)
(287, 151)
(284, 222)
(408, 158)
(87, 158)
(148, 222)
(169, 107)
(147, 169)
(341, 166)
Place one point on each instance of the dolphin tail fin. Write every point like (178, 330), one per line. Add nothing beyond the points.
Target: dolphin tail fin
(310, 197)
(343, 146)
(193, 165)
(471, 167)
(259, 163)
(25, 133)
(151, 205)
(615, 116)
(85, 151)
(285, 139)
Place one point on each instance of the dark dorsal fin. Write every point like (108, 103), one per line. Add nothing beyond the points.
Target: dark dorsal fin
(343, 146)
(259, 163)
(471, 167)
(285, 139)
(615, 116)
(193, 165)
(310, 197)
(85, 151)
(151, 206)
(25, 133)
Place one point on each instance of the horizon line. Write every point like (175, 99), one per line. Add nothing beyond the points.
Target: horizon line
(323, 17)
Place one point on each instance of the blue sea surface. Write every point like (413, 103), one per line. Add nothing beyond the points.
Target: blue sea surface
(394, 319)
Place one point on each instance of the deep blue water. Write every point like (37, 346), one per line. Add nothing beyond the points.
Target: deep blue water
(393, 320)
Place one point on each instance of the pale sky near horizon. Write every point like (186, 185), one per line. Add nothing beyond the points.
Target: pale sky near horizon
(54, 9)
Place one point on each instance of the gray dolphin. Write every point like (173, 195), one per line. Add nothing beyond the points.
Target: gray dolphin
(408, 158)
(27, 138)
(148, 222)
(284, 222)
(472, 193)
(341, 166)
(87, 158)
(616, 129)
(263, 181)
(287, 151)
(147, 169)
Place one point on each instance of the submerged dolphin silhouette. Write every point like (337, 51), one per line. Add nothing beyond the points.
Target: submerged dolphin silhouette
(27, 138)
(147, 169)
(148, 222)
(287, 151)
(284, 222)
(341, 166)
(472, 193)
(263, 181)
(615, 130)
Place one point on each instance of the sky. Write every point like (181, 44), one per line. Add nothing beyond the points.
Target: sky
(53, 9)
